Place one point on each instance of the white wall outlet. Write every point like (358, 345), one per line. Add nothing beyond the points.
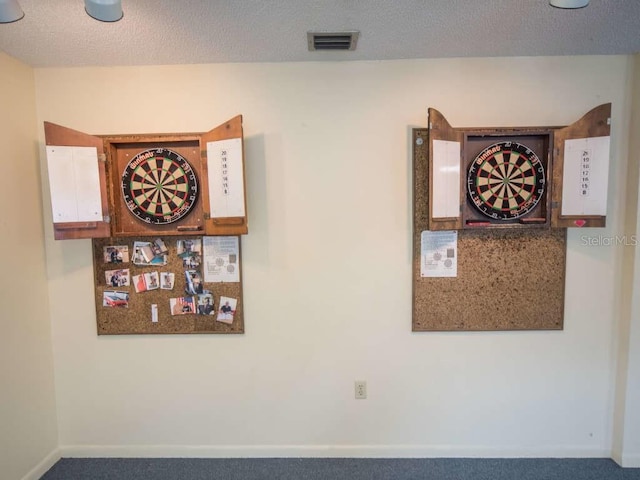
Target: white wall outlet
(361, 389)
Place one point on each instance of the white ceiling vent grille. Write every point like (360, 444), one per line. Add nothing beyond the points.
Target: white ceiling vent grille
(332, 40)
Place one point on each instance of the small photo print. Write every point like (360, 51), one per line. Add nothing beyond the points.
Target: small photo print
(118, 278)
(146, 281)
(113, 298)
(191, 261)
(167, 280)
(188, 247)
(205, 303)
(159, 247)
(227, 310)
(143, 254)
(182, 305)
(191, 252)
(139, 283)
(152, 280)
(193, 282)
(116, 254)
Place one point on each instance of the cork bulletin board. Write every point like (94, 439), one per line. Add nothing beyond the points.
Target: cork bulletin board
(173, 297)
(506, 279)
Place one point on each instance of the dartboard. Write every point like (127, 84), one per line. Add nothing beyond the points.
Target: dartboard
(506, 181)
(159, 186)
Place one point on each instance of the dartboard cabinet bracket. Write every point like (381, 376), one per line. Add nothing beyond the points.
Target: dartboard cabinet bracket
(147, 184)
(518, 177)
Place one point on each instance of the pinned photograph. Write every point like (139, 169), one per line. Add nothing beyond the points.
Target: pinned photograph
(117, 278)
(227, 310)
(193, 282)
(146, 281)
(152, 280)
(205, 303)
(182, 306)
(113, 298)
(116, 254)
(167, 280)
(191, 252)
(159, 247)
(188, 247)
(143, 254)
(139, 283)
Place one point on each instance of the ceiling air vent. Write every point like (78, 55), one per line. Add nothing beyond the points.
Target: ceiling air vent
(332, 40)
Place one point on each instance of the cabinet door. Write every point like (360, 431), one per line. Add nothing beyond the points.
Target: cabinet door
(77, 181)
(581, 171)
(224, 192)
(445, 181)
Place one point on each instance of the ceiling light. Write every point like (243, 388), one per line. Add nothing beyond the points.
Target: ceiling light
(104, 10)
(569, 3)
(10, 11)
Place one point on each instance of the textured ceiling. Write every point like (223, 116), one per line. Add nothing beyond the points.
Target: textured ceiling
(158, 32)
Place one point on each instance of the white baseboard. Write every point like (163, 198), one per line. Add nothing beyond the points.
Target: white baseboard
(42, 468)
(630, 461)
(324, 451)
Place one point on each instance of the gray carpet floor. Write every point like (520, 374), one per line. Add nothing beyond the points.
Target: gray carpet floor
(338, 469)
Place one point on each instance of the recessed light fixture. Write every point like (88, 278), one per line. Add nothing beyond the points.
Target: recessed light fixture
(569, 3)
(10, 11)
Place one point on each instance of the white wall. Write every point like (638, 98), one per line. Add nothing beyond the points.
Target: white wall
(626, 445)
(28, 438)
(327, 273)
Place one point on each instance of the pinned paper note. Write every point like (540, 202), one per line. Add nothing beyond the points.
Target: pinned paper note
(439, 254)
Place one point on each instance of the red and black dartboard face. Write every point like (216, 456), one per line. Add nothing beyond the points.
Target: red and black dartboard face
(159, 186)
(506, 181)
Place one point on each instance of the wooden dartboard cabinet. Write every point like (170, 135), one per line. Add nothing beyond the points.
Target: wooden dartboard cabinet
(114, 152)
(509, 194)
(146, 187)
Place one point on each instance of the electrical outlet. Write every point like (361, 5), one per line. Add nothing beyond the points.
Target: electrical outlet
(361, 389)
